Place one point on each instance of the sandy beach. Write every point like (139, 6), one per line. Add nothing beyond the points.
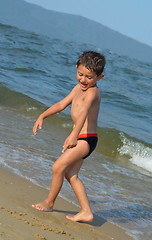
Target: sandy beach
(18, 220)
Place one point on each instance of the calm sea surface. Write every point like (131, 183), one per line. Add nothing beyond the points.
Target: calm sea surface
(36, 72)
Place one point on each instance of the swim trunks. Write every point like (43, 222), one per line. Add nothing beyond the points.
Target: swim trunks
(91, 139)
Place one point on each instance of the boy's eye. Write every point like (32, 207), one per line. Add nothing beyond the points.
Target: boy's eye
(89, 78)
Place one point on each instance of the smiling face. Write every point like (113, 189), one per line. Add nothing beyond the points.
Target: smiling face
(86, 78)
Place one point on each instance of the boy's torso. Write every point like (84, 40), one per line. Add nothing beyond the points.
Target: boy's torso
(90, 125)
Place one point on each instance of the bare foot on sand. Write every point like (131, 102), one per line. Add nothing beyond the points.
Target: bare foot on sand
(81, 217)
(43, 206)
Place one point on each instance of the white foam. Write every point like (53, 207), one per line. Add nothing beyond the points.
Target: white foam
(67, 125)
(139, 154)
(31, 108)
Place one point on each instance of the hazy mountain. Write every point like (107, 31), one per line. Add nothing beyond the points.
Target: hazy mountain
(70, 28)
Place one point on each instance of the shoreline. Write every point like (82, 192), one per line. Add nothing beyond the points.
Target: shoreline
(19, 221)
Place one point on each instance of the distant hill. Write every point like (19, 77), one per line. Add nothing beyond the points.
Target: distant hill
(70, 28)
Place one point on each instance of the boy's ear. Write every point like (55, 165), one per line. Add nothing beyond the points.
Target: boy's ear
(100, 76)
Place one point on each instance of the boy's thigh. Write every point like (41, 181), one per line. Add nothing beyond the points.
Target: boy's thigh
(72, 155)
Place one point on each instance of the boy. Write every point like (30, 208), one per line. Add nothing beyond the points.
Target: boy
(85, 99)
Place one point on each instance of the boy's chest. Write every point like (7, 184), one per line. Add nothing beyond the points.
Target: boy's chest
(78, 100)
(77, 105)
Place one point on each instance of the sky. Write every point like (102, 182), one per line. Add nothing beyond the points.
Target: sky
(132, 18)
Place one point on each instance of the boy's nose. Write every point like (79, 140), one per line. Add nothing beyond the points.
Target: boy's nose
(83, 79)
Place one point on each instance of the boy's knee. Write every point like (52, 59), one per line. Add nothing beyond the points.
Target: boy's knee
(56, 169)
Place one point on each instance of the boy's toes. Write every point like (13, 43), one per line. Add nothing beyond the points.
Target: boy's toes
(41, 208)
(38, 207)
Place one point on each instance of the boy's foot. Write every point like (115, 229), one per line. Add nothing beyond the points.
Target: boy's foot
(43, 206)
(81, 217)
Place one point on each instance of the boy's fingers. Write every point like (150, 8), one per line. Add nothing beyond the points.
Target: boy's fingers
(36, 127)
(34, 131)
(68, 147)
(65, 147)
(63, 150)
(40, 126)
(72, 146)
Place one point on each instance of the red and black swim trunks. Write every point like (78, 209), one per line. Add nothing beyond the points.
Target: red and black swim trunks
(91, 139)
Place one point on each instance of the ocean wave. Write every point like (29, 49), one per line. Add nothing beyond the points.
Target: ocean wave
(18, 100)
(139, 154)
(112, 143)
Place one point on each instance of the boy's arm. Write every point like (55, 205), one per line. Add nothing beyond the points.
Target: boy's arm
(58, 107)
(71, 141)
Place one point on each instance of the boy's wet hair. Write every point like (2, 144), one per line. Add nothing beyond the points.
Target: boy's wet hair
(92, 61)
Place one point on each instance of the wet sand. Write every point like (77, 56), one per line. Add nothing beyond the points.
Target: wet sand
(19, 221)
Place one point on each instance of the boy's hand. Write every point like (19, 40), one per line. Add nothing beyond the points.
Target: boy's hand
(38, 124)
(70, 142)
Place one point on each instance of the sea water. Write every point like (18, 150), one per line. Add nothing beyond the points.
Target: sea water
(36, 72)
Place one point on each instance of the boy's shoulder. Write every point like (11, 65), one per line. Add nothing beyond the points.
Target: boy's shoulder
(93, 91)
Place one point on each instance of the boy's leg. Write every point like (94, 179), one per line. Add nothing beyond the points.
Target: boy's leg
(85, 215)
(67, 159)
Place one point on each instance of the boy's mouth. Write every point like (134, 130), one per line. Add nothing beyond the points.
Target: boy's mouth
(83, 85)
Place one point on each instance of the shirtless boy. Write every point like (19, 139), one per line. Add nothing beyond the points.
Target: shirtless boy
(85, 100)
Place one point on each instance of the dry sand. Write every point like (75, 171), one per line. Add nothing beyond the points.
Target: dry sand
(19, 221)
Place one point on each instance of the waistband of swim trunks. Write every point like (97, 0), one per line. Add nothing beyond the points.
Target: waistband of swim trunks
(86, 135)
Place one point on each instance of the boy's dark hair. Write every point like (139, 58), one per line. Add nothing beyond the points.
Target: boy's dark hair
(92, 61)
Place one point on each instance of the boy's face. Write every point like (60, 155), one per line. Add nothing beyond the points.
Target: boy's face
(87, 78)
